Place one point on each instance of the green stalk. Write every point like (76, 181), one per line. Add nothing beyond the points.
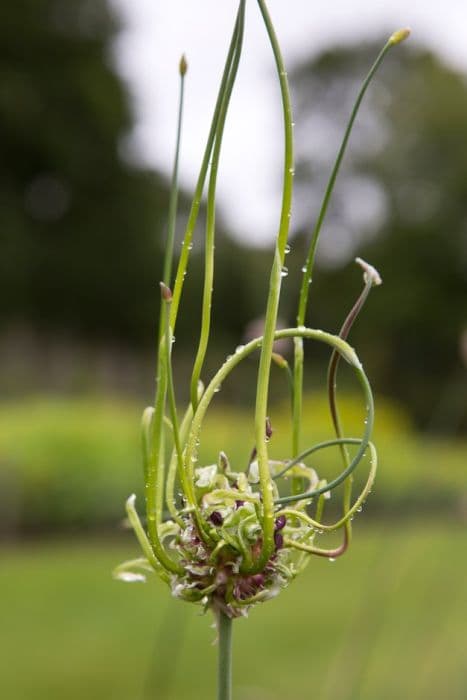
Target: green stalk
(153, 449)
(211, 215)
(396, 38)
(185, 474)
(172, 218)
(154, 485)
(194, 211)
(262, 389)
(224, 668)
(174, 467)
(187, 486)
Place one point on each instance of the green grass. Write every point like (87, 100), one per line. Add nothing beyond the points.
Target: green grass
(387, 621)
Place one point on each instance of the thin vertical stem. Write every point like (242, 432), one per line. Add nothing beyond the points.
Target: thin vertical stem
(193, 216)
(224, 666)
(308, 268)
(154, 458)
(211, 215)
(169, 249)
(262, 390)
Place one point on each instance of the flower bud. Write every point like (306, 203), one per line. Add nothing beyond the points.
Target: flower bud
(280, 522)
(268, 429)
(399, 36)
(278, 540)
(183, 65)
(166, 292)
(216, 518)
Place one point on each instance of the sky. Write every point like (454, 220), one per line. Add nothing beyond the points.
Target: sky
(155, 34)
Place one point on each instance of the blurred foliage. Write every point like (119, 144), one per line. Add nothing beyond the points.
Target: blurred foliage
(83, 230)
(72, 463)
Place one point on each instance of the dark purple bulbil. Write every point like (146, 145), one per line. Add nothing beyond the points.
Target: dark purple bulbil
(258, 580)
(239, 504)
(280, 522)
(278, 540)
(216, 518)
(268, 429)
(247, 586)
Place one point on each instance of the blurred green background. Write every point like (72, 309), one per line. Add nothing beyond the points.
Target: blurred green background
(82, 235)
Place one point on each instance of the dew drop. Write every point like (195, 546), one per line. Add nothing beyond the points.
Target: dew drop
(284, 272)
(130, 577)
(239, 348)
(331, 559)
(304, 268)
(287, 249)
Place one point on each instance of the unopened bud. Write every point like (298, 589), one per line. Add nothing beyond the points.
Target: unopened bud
(369, 272)
(280, 522)
(279, 360)
(278, 540)
(216, 518)
(166, 292)
(183, 65)
(268, 429)
(399, 36)
(258, 580)
(223, 462)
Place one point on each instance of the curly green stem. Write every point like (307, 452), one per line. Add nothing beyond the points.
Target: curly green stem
(315, 523)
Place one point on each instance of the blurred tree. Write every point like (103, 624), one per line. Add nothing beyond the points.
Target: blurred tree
(80, 228)
(400, 203)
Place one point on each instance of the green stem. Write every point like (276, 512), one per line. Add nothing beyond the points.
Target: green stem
(153, 456)
(211, 216)
(272, 307)
(186, 485)
(308, 268)
(224, 668)
(169, 248)
(194, 211)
